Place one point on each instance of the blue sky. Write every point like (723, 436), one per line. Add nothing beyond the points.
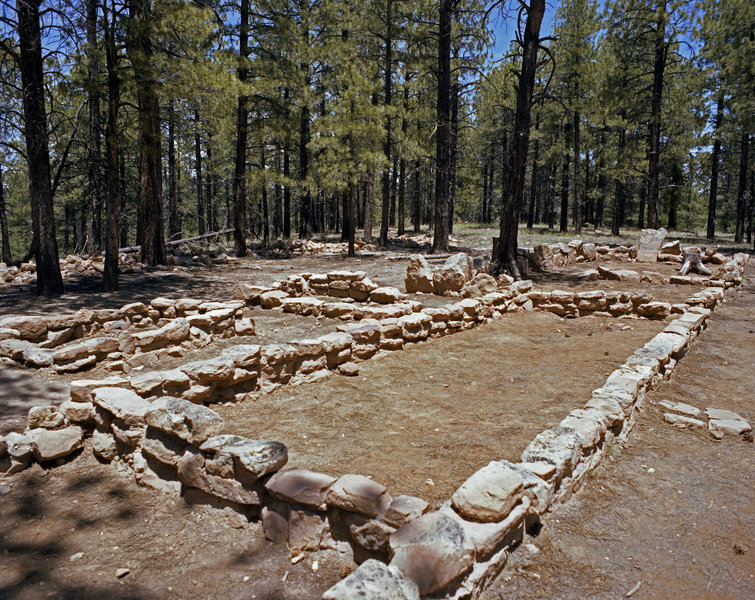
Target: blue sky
(505, 28)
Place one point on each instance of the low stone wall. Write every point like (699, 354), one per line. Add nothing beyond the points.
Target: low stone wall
(154, 424)
(134, 335)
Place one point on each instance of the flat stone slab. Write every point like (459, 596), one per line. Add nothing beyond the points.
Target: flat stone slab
(734, 426)
(301, 486)
(681, 407)
(682, 421)
(254, 457)
(190, 422)
(433, 551)
(373, 580)
(723, 415)
(357, 493)
(124, 404)
(489, 494)
(47, 444)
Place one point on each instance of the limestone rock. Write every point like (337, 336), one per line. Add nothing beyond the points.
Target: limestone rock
(251, 458)
(190, 422)
(489, 494)
(103, 445)
(386, 295)
(46, 417)
(125, 405)
(681, 407)
(194, 471)
(419, 276)
(650, 244)
(452, 276)
(244, 326)
(81, 389)
(349, 369)
(272, 298)
(212, 370)
(726, 421)
(301, 487)
(356, 493)
(481, 284)
(373, 580)
(433, 551)
(559, 447)
(404, 509)
(18, 446)
(32, 327)
(682, 421)
(49, 444)
(656, 310)
(77, 412)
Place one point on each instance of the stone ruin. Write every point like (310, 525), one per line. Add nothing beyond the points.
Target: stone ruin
(156, 426)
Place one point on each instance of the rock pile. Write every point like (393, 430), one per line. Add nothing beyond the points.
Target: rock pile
(134, 335)
(71, 267)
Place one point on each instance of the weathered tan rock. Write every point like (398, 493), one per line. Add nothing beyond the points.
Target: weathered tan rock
(404, 509)
(77, 351)
(682, 421)
(452, 276)
(433, 551)
(356, 493)
(193, 471)
(373, 580)
(301, 487)
(272, 298)
(212, 370)
(46, 417)
(726, 421)
(77, 412)
(6, 333)
(345, 275)
(589, 275)
(183, 419)
(49, 444)
(650, 244)
(124, 404)
(32, 327)
(681, 407)
(81, 389)
(559, 447)
(656, 310)
(489, 494)
(419, 276)
(252, 459)
(386, 295)
(164, 448)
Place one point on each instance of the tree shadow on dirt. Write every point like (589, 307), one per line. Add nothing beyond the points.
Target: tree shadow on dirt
(36, 546)
(19, 392)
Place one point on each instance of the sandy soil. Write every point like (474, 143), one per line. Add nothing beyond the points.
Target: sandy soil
(438, 411)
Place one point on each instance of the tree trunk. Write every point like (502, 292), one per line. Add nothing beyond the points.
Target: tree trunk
(517, 163)
(94, 221)
(742, 189)
(387, 142)
(401, 197)
(173, 209)
(198, 173)
(5, 255)
(454, 154)
(577, 177)
(713, 197)
(369, 203)
(443, 131)
(139, 50)
(113, 212)
(621, 193)
(533, 186)
(564, 223)
(491, 188)
(641, 217)
(659, 66)
(602, 184)
(242, 127)
(485, 191)
(417, 198)
(49, 280)
(677, 178)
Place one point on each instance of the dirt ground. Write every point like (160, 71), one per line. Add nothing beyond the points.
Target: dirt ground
(685, 529)
(422, 420)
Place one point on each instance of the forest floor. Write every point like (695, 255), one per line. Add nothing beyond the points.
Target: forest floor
(419, 421)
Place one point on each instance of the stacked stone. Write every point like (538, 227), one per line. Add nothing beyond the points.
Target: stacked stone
(70, 267)
(600, 303)
(70, 343)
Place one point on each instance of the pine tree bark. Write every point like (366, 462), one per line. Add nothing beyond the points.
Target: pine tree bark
(49, 280)
(112, 150)
(533, 185)
(621, 193)
(713, 196)
(485, 192)
(742, 188)
(417, 198)
(659, 66)
(173, 208)
(387, 142)
(5, 254)
(369, 203)
(94, 221)
(577, 176)
(443, 130)
(564, 222)
(139, 49)
(517, 163)
(454, 154)
(242, 126)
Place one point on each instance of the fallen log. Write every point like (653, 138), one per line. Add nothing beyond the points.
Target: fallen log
(197, 238)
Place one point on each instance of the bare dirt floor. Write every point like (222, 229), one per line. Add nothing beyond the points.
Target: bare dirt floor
(672, 511)
(422, 420)
(66, 530)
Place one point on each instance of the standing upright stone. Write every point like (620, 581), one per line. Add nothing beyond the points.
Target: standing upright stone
(650, 243)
